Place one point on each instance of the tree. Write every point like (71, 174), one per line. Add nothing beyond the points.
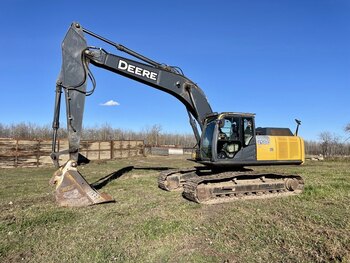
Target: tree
(152, 134)
(326, 141)
(347, 128)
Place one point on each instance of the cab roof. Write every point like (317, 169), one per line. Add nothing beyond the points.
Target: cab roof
(231, 114)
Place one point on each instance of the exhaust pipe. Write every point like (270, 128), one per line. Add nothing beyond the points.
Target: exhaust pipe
(297, 129)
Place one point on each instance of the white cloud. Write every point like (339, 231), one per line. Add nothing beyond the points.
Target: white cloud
(110, 103)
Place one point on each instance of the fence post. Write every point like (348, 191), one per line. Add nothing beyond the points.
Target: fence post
(112, 150)
(38, 154)
(99, 150)
(87, 148)
(129, 146)
(143, 148)
(16, 156)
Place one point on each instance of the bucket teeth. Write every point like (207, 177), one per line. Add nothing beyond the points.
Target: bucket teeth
(72, 190)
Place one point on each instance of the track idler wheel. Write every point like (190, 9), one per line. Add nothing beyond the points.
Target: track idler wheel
(292, 184)
(204, 193)
(172, 182)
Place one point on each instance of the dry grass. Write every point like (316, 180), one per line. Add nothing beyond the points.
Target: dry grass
(147, 224)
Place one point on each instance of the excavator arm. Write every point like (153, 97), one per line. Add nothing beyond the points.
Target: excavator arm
(73, 81)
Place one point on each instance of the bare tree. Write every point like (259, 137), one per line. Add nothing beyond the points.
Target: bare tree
(332, 145)
(326, 139)
(347, 128)
(151, 134)
(313, 148)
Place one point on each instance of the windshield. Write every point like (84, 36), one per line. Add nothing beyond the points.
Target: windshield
(206, 149)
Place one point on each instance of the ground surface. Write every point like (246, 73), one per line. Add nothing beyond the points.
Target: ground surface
(147, 224)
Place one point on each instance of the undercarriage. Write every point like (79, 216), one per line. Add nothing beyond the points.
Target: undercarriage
(207, 187)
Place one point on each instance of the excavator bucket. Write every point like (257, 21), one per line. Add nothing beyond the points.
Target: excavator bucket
(72, 190)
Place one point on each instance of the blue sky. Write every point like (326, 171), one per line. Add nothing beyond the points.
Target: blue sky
(280, 59)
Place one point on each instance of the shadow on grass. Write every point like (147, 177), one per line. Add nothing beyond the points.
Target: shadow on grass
(115, 175)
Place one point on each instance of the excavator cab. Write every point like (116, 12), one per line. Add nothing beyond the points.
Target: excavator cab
(228, 138)
(231, 141)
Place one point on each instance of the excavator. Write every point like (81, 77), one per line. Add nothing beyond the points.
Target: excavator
(226, 143)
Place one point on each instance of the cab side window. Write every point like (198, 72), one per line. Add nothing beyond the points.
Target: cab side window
(248, 130)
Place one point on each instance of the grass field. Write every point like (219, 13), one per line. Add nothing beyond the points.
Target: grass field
(146, 224)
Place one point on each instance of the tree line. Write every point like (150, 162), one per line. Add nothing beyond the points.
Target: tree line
(328, 144)
(152, 135)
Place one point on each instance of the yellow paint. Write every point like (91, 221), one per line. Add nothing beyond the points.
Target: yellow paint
(280, 148)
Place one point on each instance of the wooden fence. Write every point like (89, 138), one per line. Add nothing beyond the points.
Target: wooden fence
(36, 153)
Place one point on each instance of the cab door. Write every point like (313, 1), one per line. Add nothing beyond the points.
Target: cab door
(206, 146)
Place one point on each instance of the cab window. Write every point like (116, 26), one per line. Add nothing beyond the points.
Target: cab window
(228, 143)
(207, 140)
(248, 130)
(228, 129)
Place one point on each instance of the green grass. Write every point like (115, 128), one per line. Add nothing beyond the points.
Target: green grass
(146, 224)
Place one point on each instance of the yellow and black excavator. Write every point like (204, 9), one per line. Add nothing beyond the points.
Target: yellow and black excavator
(227, 142)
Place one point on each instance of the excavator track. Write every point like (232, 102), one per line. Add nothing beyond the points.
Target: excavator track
(231, 186)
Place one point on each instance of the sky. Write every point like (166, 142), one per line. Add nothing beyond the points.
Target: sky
(279, 59)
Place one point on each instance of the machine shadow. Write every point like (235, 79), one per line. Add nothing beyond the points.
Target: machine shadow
(100, 183)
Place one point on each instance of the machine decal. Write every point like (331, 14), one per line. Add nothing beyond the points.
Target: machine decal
(262, 139)
(123, 65)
